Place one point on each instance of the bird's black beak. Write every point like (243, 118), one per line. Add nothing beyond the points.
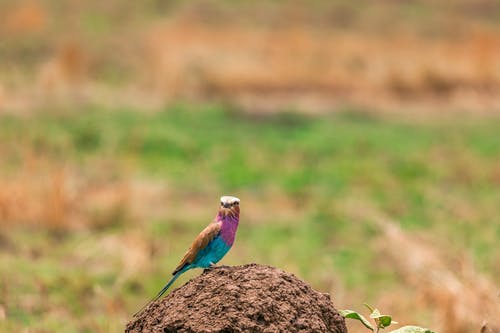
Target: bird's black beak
(226, 205)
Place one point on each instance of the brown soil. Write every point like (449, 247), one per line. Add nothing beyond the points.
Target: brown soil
(249, 298)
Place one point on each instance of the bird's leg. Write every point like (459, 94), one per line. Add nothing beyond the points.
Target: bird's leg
(209, 268)
(214, 266)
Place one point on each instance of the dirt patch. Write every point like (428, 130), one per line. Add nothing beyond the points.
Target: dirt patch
(249, 298)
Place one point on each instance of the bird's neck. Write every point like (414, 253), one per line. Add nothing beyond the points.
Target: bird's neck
(229, 227)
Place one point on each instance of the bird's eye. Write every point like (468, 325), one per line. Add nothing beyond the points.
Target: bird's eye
(236, 203)
(221, 203)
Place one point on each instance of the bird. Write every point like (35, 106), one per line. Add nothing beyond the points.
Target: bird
(211, 245)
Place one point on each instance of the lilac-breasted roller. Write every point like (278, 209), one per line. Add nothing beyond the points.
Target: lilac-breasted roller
(212, 243)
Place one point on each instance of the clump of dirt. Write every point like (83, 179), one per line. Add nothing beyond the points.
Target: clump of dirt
(249, 298)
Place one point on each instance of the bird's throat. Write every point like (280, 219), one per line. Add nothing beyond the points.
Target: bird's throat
(229, 227)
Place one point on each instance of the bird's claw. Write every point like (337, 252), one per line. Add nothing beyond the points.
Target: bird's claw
(209, 268)
(213, 266)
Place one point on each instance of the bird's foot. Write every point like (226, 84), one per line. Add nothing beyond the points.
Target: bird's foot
(209, 268)
(213, 266)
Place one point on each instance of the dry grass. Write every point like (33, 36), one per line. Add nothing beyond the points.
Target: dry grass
(463, 298)
(195, 60)
(207, 51)
(43, 193)
(25, 18)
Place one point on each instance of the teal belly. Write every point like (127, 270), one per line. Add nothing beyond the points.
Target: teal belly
(211, 254)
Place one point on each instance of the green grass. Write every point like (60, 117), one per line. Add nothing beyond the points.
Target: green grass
(417, 173)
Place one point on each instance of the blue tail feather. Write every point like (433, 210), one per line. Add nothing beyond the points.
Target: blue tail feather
(172, 280)
(160, 294)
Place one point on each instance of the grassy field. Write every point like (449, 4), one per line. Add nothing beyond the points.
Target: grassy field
(98, 205)
(362, 140)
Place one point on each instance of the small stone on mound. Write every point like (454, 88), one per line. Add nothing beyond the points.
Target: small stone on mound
(249, 298)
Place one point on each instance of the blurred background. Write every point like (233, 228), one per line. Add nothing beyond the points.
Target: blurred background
(362, 138)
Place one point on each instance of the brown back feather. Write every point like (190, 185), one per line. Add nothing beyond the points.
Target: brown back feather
(200, 242)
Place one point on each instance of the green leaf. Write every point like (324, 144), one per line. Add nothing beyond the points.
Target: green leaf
(382, 320)
(412, 329)
(385, 320)
(354, 315)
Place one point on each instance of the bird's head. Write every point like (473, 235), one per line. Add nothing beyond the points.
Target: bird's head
(229, 206)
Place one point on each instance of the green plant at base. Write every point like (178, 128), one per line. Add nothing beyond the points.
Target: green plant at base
(381, 321)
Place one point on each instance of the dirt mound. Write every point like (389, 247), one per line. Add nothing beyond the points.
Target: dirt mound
(249, 298)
